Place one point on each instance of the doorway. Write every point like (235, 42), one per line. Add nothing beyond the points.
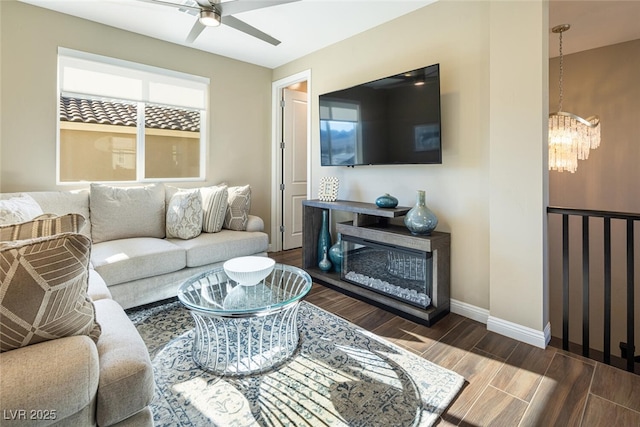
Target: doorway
(291, 164)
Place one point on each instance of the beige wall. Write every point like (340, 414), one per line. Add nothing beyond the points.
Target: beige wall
(479, 193)
(240, 99)
(492, 205)
(601, 82)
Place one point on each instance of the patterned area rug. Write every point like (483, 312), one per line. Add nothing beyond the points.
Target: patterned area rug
(341, 375)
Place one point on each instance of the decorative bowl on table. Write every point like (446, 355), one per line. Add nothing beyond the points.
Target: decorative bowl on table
(249, 270)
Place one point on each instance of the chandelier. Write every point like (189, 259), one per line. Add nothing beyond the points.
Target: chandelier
(570, 136)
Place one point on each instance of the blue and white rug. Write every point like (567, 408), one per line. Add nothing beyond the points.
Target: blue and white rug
(341, 375)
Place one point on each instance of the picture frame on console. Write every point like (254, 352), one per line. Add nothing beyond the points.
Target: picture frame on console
(328, 191)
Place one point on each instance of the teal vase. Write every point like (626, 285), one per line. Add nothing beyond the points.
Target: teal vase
(325, 264)
(420, 220)
(324, 236)
(336, 255)
(386, 201)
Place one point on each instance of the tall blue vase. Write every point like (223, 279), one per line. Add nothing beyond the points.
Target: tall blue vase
(420, 220)
(324, 237)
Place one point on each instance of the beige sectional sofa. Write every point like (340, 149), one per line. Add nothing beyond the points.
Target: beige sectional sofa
(130, 251)
(74, 381)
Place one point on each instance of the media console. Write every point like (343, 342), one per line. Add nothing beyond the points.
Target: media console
(383, 263)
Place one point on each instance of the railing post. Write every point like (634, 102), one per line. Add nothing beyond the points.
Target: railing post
(607, 291)
(630, 297)
(585, 286)
(565, 282)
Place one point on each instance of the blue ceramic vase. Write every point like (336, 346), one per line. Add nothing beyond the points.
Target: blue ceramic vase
(420, 220)
(324, 236)
(336, 255)
(386, 201)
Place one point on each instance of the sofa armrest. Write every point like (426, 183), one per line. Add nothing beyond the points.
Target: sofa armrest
(126, 373)
(255, 223)
(53, 379)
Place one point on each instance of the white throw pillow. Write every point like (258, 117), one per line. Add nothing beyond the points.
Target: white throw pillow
(125, 212)
(18, 209)
(238, 210)
(214, 207)
(184, 214)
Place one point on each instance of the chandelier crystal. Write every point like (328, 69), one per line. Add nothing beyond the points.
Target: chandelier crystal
(570, 136)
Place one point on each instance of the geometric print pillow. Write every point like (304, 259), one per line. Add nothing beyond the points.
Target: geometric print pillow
(239, 204)
(43, 290)
(43, 225)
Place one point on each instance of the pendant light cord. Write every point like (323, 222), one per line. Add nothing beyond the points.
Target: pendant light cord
(561, 73)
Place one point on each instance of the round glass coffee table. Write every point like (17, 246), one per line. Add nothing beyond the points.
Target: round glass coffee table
(241, 329)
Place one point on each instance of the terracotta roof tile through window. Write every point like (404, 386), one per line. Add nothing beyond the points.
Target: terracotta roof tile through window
(124, 114)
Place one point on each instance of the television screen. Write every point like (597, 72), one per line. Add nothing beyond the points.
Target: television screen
(394, 120)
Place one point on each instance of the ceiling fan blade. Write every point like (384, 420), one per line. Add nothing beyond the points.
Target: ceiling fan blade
(195, 31)
(239, 6)
(206, 4)
(248, 29)
(173, 5)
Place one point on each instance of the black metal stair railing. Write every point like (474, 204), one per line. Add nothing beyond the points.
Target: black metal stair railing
(630, 219)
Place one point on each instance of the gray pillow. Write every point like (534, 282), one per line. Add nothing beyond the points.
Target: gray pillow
(124, 212)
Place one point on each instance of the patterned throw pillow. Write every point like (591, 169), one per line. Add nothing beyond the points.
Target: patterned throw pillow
(17, 209)
(44, 225)
(184, 214)
(238, 210)
(43, 290)
(214, 207)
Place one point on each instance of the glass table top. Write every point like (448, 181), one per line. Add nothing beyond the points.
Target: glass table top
(213, 293)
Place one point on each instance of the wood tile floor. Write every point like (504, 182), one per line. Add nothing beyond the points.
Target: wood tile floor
(508, 383)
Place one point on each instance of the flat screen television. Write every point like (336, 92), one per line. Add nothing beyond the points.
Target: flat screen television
(390, 121)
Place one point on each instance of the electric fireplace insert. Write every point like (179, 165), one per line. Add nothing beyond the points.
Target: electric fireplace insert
(401, 273)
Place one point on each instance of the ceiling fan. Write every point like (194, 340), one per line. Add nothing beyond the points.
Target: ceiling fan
(212, 13)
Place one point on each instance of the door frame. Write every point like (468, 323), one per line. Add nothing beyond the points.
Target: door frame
(276, 161)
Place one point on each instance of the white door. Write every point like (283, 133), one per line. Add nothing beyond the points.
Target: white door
(294, 169)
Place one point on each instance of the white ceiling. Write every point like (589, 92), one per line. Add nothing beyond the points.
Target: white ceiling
(309, 25)
(594, 23)
(303, 26)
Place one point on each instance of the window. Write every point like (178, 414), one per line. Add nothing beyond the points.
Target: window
(122, 121)
(339, 132)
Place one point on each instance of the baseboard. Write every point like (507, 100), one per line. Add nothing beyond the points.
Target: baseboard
(521, 333)
(503, 327)
(470, 311)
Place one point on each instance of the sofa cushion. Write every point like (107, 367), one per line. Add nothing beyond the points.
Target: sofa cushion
(42, 226)
(43, 290)
(239, 204)
(60, 375)
(123, 260)
(19, 208)
(126, 373)
(184, 214)
(209, 248)
(120, 213)
(214, 205)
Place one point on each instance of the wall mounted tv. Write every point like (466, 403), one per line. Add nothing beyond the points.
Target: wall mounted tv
(394, 120)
